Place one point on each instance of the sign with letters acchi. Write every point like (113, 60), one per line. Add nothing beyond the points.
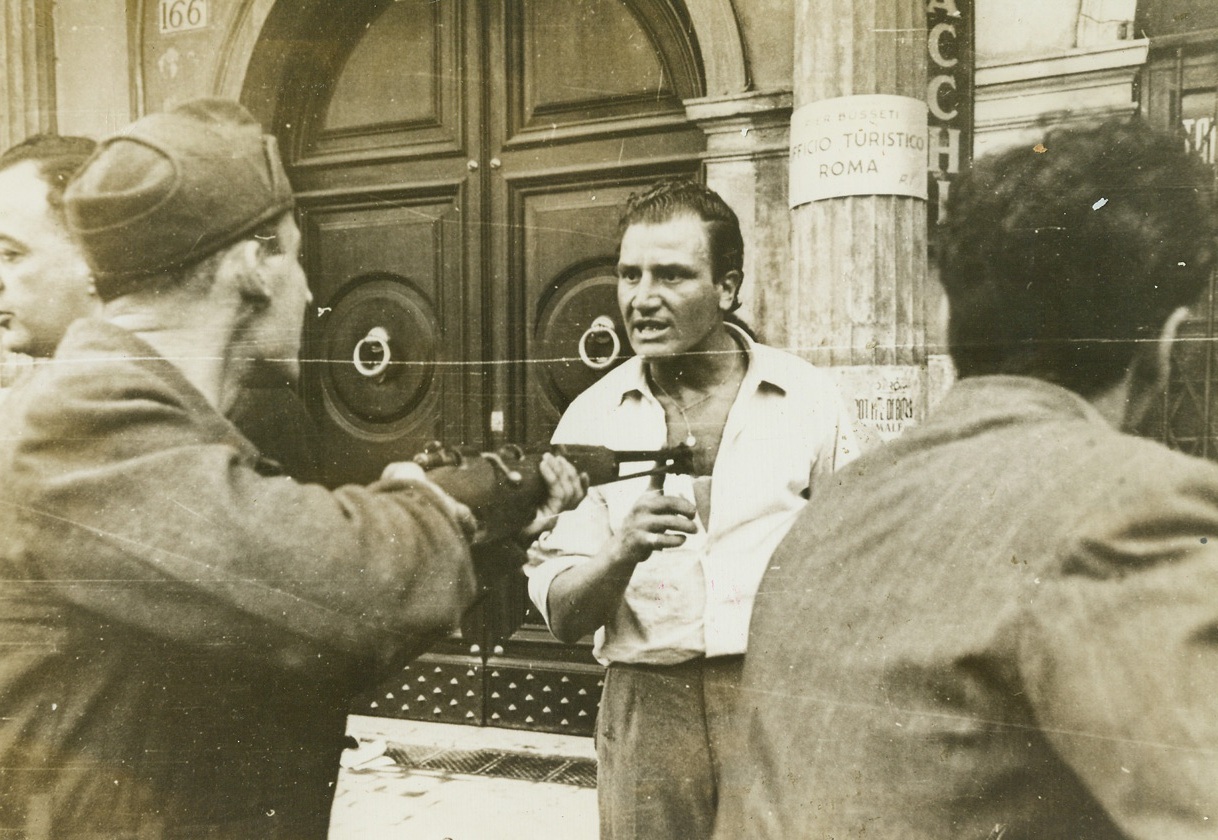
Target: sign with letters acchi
(873, 144)
(949, 96)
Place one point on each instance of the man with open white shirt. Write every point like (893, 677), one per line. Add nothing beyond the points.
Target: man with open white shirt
(666, 577)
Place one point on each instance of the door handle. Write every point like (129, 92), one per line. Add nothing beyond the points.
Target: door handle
(372, 355)
(599, 346)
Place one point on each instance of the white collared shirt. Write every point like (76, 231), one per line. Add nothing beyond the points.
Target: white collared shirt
(787, 428)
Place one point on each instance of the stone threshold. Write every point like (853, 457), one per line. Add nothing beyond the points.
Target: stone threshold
(445, 749)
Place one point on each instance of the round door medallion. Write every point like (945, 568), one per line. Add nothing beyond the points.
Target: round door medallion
(579, 335)
(379, 350)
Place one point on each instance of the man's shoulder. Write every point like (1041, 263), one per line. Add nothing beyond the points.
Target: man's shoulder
(609, 389)
(90, 390)
(1099, 484)
(584, 419)
(14, 367)
(793, 373)
(778, 355)
(1139, 467)
(88, 369)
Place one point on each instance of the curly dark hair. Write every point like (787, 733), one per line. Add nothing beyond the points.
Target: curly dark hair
(672, 197)
(1058, 261)
(57, 156)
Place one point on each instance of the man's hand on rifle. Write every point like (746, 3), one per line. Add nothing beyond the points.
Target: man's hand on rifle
(654, 523)
(567, 488)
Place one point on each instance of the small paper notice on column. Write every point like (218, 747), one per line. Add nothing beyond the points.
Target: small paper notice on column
(872, 144)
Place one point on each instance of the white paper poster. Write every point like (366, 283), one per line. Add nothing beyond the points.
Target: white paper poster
(858, 145)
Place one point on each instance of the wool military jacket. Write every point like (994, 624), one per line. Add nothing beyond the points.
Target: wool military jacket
(182, 629)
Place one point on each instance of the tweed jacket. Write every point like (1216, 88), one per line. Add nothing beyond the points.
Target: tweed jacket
(182, 630)
(1002, 625)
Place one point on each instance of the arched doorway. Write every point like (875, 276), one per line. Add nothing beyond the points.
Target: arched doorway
(460, 166)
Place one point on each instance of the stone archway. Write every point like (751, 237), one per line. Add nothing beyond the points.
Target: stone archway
(241, 75)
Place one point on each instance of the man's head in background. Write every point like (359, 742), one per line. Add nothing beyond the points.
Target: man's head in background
(44, 281)
(1060, 264)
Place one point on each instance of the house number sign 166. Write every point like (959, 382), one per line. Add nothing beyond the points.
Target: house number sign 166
(183, 15)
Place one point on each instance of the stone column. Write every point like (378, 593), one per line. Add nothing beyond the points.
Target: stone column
(27, 88)
(746, 163)
(856, 299)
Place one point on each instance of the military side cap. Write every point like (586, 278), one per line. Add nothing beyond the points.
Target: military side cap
(171, 189)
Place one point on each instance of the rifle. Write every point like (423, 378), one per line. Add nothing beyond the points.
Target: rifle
(504, 488)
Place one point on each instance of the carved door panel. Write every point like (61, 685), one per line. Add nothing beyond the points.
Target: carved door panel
(461, 166)
(588, 109)
(385, 165)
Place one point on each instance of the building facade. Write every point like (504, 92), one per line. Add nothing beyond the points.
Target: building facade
(460, 166)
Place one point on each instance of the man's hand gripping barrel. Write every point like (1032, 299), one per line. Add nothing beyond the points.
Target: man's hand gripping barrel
(505, 489)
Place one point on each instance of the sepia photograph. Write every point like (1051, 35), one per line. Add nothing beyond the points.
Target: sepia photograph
(608, 419)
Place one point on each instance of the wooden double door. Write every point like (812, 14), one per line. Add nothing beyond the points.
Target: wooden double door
(460, 167)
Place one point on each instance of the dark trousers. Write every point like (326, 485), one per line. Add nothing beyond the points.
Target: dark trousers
(659, 739)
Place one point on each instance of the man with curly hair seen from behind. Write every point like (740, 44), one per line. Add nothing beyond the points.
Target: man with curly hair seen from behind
(1007, 619)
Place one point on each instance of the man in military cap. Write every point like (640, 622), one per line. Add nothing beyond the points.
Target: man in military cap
(45, 285)
(181, 628)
